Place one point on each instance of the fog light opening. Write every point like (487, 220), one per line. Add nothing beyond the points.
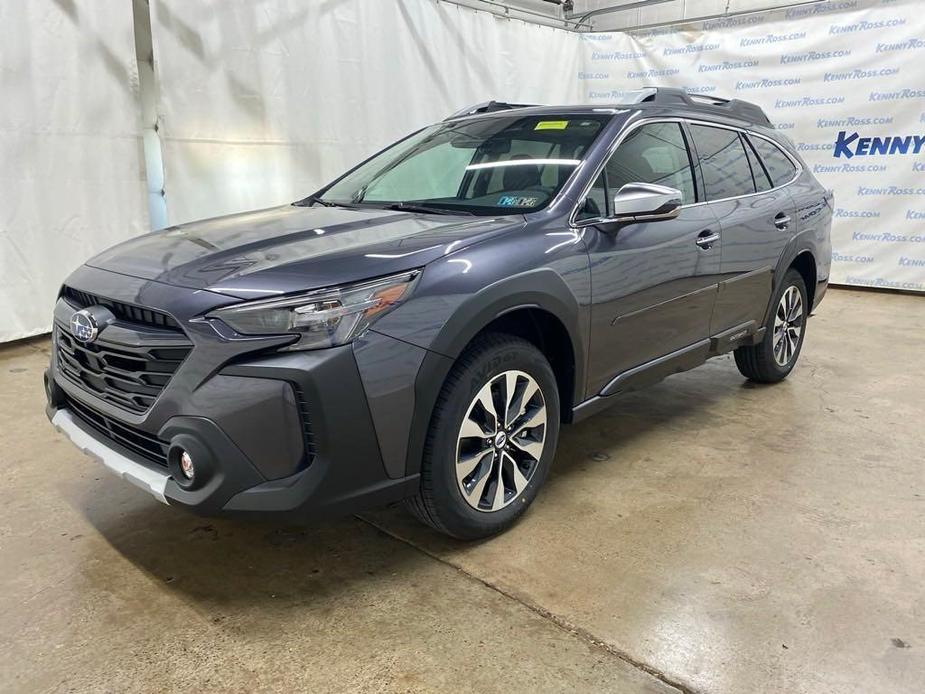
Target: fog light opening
(186, 465)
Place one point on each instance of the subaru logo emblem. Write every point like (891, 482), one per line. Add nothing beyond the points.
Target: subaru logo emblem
(83, 326)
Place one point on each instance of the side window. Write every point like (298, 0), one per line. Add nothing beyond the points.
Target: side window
(776, 162)
(762, 182)
(726, 173)
(596, 200)
(654, 153)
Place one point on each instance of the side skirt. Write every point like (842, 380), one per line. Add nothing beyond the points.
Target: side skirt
(681, 360)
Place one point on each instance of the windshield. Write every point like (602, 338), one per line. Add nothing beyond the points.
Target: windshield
(498, 165)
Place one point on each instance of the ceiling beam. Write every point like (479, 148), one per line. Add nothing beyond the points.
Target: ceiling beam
(515, 11)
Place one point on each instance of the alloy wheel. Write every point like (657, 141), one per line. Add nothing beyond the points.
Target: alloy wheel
(500, 441)
(788, 326)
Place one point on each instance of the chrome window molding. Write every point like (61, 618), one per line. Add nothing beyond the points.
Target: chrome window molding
(579, 224)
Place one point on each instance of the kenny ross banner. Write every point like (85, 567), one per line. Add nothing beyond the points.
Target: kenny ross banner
(845, 80)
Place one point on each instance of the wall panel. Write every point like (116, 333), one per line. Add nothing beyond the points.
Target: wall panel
(261, 103)
(832, 77)
(71, 177)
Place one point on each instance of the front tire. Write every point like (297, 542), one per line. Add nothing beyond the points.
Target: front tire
(772, 359)
(492, 438)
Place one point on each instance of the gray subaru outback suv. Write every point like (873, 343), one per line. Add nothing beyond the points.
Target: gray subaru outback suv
(419, 329)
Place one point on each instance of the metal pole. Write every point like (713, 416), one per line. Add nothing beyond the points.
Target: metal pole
(567, 24)
(705, 18)
(148, 97)
(618, 8)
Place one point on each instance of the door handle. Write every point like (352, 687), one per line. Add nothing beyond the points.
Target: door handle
(782, 221)
(706, 239)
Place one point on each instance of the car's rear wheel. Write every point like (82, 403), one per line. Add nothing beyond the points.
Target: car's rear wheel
(774, 357)
(493, 436)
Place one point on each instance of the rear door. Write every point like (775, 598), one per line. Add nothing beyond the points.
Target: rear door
(653, 283)
(756, 220)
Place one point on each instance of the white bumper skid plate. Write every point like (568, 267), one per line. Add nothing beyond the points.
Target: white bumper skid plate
(150, 480)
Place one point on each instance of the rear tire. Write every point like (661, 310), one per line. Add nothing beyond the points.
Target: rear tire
(492, 438)
(774, 357)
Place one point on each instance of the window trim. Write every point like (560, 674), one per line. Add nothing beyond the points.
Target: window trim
(578, 224)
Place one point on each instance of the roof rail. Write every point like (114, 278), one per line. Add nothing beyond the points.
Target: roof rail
(487, 107)
(736, 108)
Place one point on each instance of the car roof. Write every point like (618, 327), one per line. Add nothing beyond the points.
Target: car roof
(663, 101)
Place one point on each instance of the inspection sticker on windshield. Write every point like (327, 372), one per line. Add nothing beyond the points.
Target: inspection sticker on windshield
(514, 201)
(551, 125)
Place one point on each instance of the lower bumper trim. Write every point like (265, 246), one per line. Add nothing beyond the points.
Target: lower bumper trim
(153, 482)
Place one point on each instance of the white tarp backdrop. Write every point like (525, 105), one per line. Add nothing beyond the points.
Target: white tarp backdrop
(262, 103)
(844, 80)
(71, 178)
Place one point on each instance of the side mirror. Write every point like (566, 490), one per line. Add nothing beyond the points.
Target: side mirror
(640, 202)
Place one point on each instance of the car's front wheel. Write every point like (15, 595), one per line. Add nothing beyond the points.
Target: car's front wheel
(493, 436)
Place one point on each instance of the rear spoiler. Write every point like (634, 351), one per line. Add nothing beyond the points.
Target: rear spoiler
(735, 108)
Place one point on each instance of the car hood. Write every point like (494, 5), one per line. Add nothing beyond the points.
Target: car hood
(287, 249)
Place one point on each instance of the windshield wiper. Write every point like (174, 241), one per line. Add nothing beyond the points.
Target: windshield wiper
(315, 200)
(424, 207)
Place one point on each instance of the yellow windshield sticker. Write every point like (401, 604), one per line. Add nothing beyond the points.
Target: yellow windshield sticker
(551, 125)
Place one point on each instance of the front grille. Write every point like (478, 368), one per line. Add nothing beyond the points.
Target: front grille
(124, 312)
(130, 377)
(135, 440)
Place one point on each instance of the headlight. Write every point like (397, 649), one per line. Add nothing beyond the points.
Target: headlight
(323, 318)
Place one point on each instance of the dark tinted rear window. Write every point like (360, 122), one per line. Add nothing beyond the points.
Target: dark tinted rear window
(726, 172)
(776, 162)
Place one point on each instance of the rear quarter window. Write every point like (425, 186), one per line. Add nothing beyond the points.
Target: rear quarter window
(779, 166)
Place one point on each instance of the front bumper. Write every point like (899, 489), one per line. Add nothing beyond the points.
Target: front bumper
(294, 434)
(345, 473)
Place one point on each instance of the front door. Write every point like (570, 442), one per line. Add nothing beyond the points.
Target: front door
(654, 283)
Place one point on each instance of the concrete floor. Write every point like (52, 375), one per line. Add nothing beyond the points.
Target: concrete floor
(706, 535)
